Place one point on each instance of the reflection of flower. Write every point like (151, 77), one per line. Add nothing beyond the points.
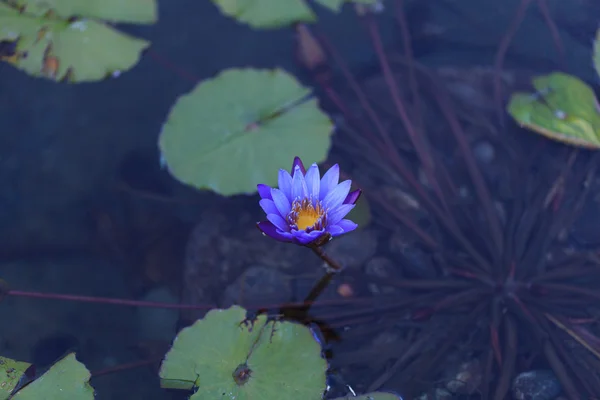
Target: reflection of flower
(307, 208)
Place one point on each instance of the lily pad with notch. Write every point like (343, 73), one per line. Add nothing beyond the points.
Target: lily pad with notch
(269, 14)
(226, 356)
(563, 108)
(238, 129)
(67, 40)
(13, 374)
(66, 379)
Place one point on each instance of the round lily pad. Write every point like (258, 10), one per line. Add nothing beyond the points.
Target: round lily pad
(563, 108)
(67, 379)
(41, 39)
(268, 14)
(12, 374)
(225, 356)
(373, 396)
(597, 52)
(238, 129)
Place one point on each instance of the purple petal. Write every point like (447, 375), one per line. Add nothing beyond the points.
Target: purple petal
(281, 202)
(303, 238)
(285, 183)
(313, 181)
(335, 215)
(264, 191)
(279, 222)
(298, 163)
(347, 225)
(336, 197)
(329, 181)
(299, 189)
(268, 206)
(340, 229)
(270, 230)
(352, 197)
(335, 230)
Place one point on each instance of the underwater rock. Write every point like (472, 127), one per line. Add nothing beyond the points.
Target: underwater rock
(381, 268)
(536, 385)
(484, 152)
(258, 286)
(352, 251)
(467, 379)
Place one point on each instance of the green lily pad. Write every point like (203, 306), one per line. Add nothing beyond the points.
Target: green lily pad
(225, 356)
(11, 375)
(67, 379)
(269, 14)
(45, 42)
(238, 129)
(373, 396)
(136, 12)
(597, 52)
(563, 108)
(336, 5)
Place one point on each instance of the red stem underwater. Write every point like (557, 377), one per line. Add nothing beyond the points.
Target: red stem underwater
(105, 300)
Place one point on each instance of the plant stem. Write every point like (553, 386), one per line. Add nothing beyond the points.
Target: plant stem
(106, 300)
(333, 268)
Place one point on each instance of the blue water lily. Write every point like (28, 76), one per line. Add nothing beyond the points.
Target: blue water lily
(306, 209)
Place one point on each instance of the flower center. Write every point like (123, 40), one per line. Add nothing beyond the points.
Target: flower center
(306, 216)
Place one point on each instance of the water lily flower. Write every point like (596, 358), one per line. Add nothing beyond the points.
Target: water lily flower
(307, 209)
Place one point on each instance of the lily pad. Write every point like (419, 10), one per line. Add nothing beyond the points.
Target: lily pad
(563, 108)
(269, 14)
(597, 52)
(67, 379)
(237, 130)
(41, 39)
(12, 374)
(136, 12)
(336, 5)
(373, 396)
(225, 356)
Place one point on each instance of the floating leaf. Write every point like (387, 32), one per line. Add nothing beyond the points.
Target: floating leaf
(237, 130)
(136, 11)
(563, 108)
(268, 14)
(40, 39)
(336, 5)
(225, 356)
(12, 374)
(333, 5)
(67, 379)
(597, 52)
(373, 396)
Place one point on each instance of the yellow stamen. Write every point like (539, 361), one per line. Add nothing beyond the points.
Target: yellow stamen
(306, 215)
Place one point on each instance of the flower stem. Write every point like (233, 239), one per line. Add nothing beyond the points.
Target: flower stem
(333, 268)
(316, 290)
